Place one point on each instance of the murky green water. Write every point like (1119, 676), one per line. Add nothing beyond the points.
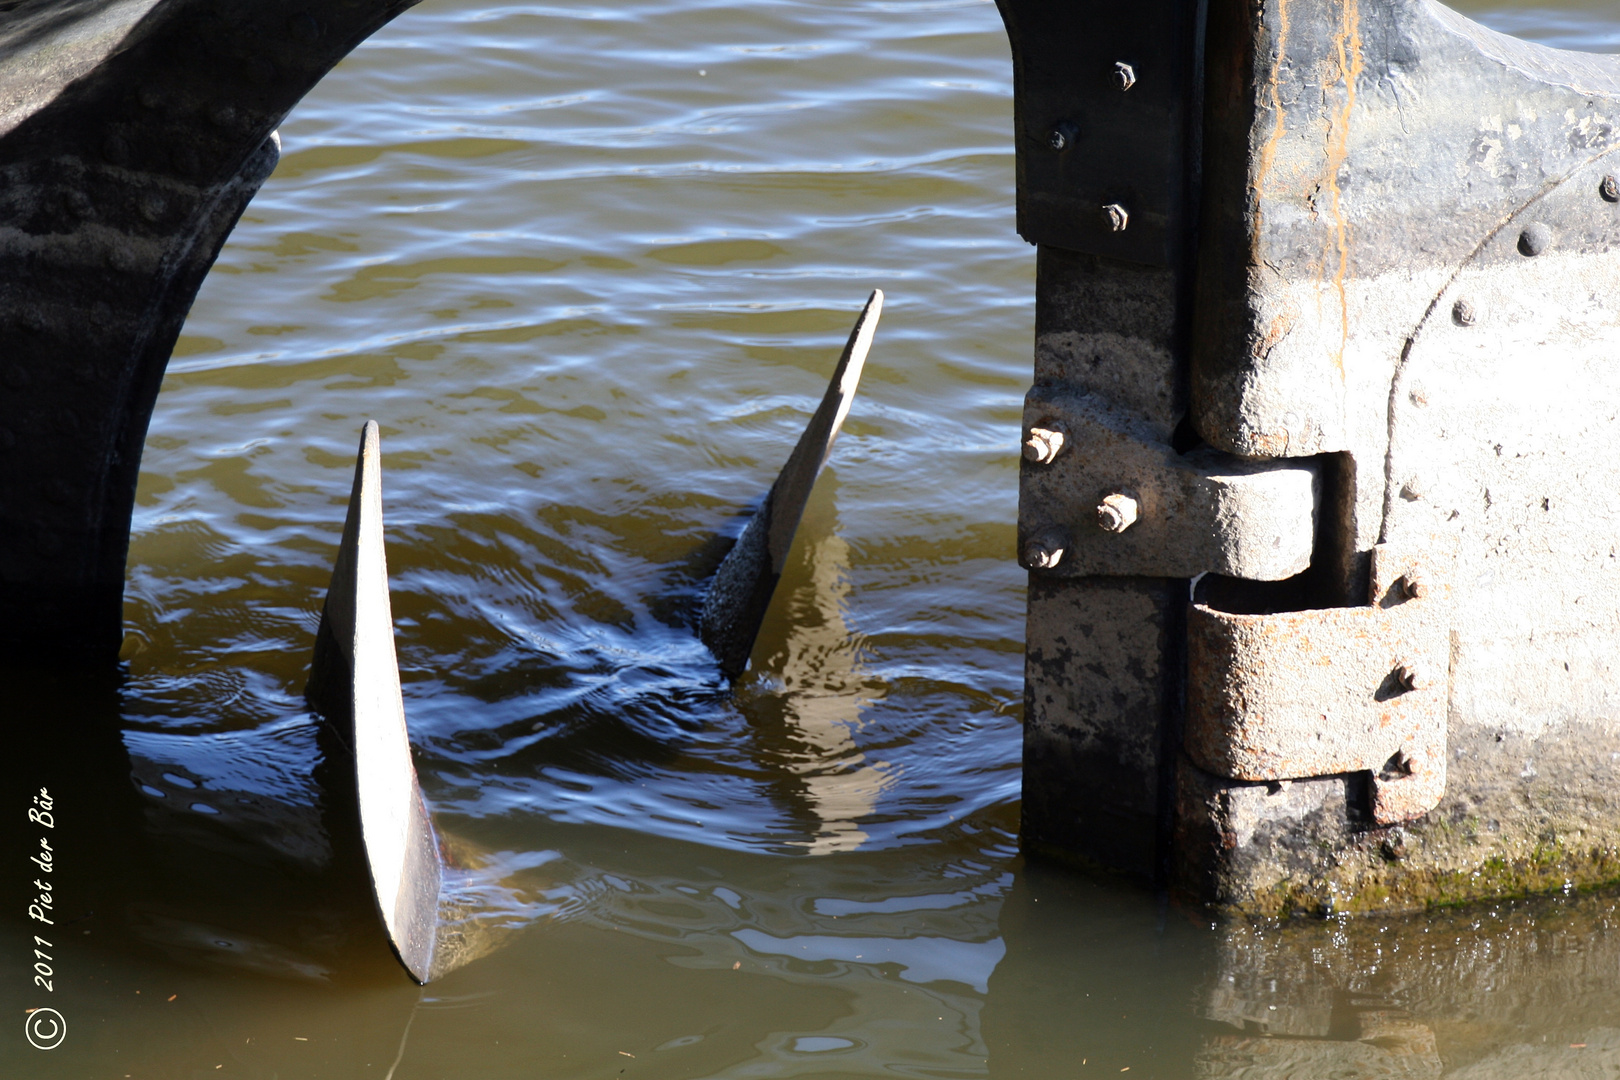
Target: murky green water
(589, 267)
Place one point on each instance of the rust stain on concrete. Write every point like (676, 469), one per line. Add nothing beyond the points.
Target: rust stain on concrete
(1347, 45)
(1268, 152)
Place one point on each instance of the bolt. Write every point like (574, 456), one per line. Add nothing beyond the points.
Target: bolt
(1045, 549)
(1415, 583)
(1061, 137)
(1463, 313)
(1116, 512)
(1044, 444)
(1535, 240)
(1116, 216)
(1412, 675)
(1610, 188)
(1124, 75)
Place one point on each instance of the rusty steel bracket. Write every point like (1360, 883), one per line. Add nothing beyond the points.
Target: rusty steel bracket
(1300, 694)
(1099, 495)
(1107, 110)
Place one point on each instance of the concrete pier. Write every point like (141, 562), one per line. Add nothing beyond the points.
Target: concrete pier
(1388, 265)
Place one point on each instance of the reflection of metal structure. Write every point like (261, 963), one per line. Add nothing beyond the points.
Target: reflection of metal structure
(354, 682)
(1372, 242)
(741, 589)
(818, 686)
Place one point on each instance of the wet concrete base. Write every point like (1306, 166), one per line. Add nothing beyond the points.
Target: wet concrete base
(1521, 816)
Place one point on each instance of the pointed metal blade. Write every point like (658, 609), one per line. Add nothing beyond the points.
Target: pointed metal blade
(740, 593)
(354, 683)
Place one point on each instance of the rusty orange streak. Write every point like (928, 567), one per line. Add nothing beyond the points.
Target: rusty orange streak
(1268, 153)
(1348, 44)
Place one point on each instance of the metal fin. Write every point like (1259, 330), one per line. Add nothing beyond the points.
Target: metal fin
(354, 683)
(740, 592)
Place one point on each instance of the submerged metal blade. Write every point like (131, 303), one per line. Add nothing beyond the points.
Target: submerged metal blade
(735, 604)
(354, 683)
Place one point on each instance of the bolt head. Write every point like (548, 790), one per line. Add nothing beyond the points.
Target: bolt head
(1124, 76)
(1415, 584)
(1116, 217)
(1043, 444)
(1610, 188)
(1413, 675)
(1062, 136)
(1535, 240)
(1116, 512)
(1463, 313)
(1045, 550)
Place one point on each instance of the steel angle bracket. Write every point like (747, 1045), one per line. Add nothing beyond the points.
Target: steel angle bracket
(1107, 122)
(354, 683)
(1300, 694)
(1100, 496)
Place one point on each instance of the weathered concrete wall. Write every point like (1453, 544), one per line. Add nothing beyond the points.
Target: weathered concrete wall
(132, 135)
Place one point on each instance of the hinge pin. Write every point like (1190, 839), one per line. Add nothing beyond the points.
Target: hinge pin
(1044, 444)
(1116, 512)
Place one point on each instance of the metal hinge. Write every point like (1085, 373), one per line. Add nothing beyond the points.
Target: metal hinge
(1101, 496)
(1299, 694)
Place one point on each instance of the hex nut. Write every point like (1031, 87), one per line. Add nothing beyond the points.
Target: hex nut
(1463, 313)
(1062, 136)
(1124, 75)
(1116, 512)
(1045, 549)
(1610, 188)
(1536, 239)
(1044, 443)
(1116, 217)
